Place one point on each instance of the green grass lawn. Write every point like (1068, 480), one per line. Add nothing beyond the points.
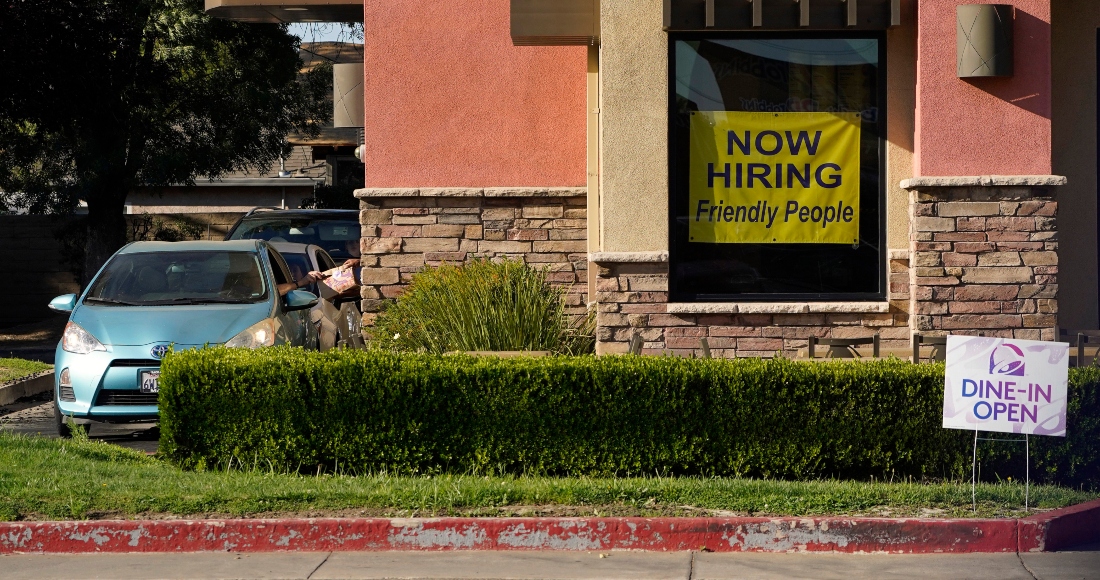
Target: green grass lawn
(54, 479)
(17, 368)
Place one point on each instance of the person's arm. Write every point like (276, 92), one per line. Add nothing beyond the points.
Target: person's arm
(286, 287)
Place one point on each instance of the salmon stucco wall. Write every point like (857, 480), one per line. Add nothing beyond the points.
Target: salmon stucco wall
(450, 102)
(983, 126)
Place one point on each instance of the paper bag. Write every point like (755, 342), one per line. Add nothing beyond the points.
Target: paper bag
(341, 280)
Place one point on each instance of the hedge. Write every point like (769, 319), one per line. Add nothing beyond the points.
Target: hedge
(377, 411)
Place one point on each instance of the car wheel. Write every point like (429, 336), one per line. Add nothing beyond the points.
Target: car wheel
(63, 430)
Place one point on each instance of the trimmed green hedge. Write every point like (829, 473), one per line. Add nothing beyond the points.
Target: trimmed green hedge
(372, 411)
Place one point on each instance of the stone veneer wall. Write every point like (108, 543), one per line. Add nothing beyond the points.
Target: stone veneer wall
(406, 229)
(632, 297)
(984, 256)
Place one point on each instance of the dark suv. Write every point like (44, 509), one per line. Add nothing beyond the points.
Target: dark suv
(335, 230)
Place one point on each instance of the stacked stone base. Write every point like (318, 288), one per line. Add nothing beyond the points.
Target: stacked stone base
(405, 230)
(982, 259)
(984, 256)
(632, 300)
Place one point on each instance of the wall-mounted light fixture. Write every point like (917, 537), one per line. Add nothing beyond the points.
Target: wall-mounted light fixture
(347, 94)
(984, 40)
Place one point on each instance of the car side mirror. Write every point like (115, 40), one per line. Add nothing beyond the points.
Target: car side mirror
(300, 300)
(63, 303)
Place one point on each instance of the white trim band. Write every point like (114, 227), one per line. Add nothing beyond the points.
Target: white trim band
(984, 181)
(372, 192)
(777, 307)
(628, 257)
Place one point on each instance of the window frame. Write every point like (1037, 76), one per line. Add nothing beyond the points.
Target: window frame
(677, 176)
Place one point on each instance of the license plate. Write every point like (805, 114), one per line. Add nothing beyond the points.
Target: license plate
(150, 381)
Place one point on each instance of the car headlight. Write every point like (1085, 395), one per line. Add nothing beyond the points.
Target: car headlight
(260, 334)
(79, 341)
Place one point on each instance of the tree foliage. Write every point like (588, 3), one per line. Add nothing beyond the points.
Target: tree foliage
(102, 96)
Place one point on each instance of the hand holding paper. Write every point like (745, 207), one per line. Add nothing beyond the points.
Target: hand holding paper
(340, 279)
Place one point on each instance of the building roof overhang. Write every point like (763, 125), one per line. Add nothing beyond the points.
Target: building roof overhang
(716, 15)
(277, 11)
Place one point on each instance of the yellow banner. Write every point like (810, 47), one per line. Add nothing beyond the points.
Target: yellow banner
(786, 178)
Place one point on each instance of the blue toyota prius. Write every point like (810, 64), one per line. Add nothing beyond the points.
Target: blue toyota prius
(152, 296)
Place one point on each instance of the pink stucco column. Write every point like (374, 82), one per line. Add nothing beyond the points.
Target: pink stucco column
(984, 126)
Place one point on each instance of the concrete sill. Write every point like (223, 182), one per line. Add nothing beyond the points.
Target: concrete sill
(375, 192)
(777, 307)
(628, 257)
(919, 183)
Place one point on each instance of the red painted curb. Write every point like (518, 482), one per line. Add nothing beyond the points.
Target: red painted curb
(908, 536)
(1061, 529)
(1055, 530)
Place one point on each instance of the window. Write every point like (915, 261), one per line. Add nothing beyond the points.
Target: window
(178, 278)
(299, 265)
(776, 167)
(278, 268)
(324, 261)
(339, 237)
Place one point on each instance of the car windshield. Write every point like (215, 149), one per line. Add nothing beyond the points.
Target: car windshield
(166, 278)
(340, 238)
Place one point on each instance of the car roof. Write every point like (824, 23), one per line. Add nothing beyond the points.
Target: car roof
(192, 246)
(261, 213)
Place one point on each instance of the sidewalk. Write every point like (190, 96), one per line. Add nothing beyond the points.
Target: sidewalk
(563, 565)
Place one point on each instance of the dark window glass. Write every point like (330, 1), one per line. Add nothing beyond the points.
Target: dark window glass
(778, 74)
(173, 278)
(340, 238)
(299, 265)
(278, 270)
(324, 261)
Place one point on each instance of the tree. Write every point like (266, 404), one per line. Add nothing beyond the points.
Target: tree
(102, 96)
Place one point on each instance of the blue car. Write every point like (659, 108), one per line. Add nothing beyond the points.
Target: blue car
(153, 296)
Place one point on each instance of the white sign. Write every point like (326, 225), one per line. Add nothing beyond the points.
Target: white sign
(1006, 385)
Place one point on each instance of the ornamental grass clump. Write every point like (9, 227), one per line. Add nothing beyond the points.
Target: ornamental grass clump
(483, 306)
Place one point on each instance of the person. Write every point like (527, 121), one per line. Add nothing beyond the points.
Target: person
(352, 247)
(306, 280)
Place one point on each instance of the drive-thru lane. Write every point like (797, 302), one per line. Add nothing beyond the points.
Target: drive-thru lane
(35, 417)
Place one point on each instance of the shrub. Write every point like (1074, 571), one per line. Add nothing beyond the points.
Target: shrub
(614, 415)
(482, 306)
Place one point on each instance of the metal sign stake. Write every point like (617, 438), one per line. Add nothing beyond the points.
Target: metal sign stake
(974, 474)
(974, 470)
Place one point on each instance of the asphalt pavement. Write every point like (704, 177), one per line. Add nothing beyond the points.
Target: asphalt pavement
(34, 416)
(558, 565)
